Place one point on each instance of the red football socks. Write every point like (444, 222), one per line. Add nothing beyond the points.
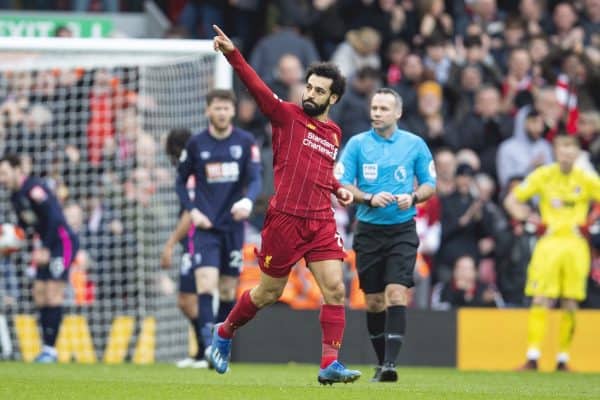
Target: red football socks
(333, 321)
(243, 311)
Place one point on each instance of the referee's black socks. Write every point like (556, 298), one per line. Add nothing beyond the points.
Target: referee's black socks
(376, 327)
(395, 326)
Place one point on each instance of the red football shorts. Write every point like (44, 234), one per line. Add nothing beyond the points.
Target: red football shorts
(287, 238)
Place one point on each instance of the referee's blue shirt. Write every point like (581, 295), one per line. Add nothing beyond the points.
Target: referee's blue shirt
(375, 164)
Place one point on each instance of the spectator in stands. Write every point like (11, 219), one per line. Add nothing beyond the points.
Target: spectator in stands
(538, 48)
(445, 166)
(412, 75)
(589, 136)
(472, 52)
(434, 20)
(396, 55)
(462, 96)
(436, 60)
(285, 39)
(324, 22)
(514, 36)
(197, 17)
(514, 247)
(465, 289)
(390, 19)
(517, 80)
(484, 129)
(567, 33)
(582, 79)
(468, 156)
(490, 18)
(289, 73)
(107, 5)
(525, 150)
(546, 103)
(535, 16)
(591, 21)
(360, 49)
(463, 220)
(429, 121)
(352, 112)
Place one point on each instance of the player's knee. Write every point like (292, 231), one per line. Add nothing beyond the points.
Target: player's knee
(227, 294)
(375, 303)
(205, 286)
(262, 297)
(39, 299)
(542, 301)
(54, 299)
(396, 296)
(334, 293)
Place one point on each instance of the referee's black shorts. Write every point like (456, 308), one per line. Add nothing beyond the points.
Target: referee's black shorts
(385, 254)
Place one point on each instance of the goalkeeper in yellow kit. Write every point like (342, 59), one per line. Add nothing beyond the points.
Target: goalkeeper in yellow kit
(560, 262)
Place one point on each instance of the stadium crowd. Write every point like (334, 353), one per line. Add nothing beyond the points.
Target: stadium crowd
(488, 84)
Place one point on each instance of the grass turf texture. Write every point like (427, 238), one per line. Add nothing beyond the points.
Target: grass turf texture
(289, 382)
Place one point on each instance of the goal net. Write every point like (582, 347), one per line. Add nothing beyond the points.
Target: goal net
(90, 117)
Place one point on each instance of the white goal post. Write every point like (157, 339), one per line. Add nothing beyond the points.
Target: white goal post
(146, 49)
(90, 116)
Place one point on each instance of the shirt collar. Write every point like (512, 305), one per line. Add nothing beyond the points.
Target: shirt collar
(391, 139)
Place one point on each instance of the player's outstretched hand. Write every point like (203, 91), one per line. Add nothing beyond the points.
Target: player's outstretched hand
(200, 220)
(166, 256)
(221, 41)
(344, 196)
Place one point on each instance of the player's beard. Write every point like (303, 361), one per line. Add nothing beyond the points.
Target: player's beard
(221, 125)
(313, 109)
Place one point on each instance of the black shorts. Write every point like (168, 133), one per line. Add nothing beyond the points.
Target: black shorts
(62, 254)
(385, 254)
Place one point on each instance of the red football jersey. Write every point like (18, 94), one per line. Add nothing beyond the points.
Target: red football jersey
(304, 150)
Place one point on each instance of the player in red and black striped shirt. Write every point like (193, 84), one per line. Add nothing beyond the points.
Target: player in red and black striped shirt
(299, 222)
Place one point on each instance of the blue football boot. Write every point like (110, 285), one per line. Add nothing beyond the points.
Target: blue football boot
(45, 358)
(220, 352)
(336, 372)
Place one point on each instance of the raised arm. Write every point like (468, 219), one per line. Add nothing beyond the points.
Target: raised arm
(267, 101)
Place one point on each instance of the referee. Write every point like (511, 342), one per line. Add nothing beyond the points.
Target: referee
(379, 167)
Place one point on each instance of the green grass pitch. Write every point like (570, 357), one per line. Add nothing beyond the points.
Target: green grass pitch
(289, 382)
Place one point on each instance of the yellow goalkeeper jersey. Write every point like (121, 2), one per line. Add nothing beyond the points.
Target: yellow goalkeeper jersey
(564, 199)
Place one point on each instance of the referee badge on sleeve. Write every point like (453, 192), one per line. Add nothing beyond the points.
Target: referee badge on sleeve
(432, 169)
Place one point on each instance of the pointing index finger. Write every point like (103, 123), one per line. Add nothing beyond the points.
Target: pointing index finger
(219, 31)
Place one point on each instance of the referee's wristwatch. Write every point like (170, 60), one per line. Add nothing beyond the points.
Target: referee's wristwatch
(368, 198)
(415, 199)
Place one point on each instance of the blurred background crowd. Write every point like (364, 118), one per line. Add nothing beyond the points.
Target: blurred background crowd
(488, 84)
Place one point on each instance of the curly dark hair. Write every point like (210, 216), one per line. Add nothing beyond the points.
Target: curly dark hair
(331, 71)
(12, 159)
(175, 143)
